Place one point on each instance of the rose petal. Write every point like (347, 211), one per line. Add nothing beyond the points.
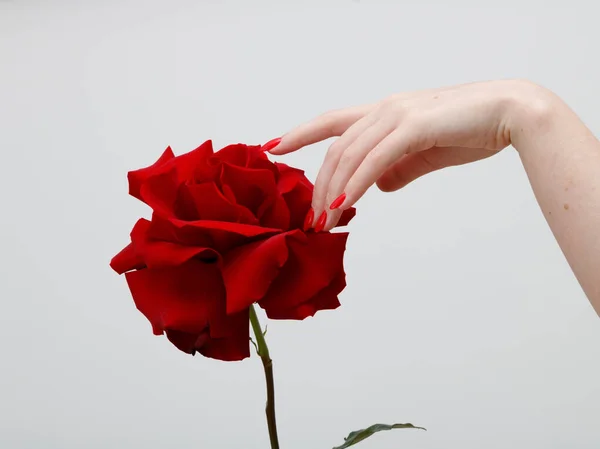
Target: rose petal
(237, 154)
(137, 178)
(158, 253)
(274, 213)
(195, 164)
(158, 185)
(228, 193)
(231, 348)
(297, 192)
(188, 299)
(185, 341)
(210, 203)
(311, 277)
(181, 298)
(233, 344)
(182, 232)
(289, 177)
(218, 235)
(251, 187)
(326, 299)
(347, 215)
(249, 270)
(127, 259)
(161, 192)
(240, 155)
(227, 349)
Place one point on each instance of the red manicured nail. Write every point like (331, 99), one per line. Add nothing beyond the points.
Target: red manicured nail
(321, 222)
(338, 201)
(271, 144)
(310, 216)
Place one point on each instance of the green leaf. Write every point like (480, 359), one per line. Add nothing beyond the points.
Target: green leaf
(359, 435)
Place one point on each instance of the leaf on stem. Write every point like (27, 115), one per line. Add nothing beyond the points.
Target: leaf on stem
(359, 435)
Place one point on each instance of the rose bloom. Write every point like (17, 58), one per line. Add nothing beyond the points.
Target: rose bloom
(226, 232)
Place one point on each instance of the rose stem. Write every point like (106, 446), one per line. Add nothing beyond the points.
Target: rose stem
(263, 352)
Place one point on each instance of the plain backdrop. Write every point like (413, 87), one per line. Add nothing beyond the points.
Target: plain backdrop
(460, 314)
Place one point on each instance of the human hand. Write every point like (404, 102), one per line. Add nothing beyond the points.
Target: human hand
(401, 138)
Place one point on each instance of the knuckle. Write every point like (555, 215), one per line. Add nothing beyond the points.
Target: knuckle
(345, 160)
(387, 104)
(394, 107)
(377, 158)
(413, 123)
(335, 149)
(330, 120)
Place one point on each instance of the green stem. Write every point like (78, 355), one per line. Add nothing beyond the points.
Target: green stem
(263, 352)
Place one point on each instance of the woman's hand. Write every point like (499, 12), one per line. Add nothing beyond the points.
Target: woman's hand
(403, 137)
(408, 135)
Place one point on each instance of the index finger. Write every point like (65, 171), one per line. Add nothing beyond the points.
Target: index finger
(330, 124)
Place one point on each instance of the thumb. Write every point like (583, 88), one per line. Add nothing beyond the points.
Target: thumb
(414, 165)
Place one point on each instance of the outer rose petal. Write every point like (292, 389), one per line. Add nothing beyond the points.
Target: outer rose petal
(127, 260)
(195, 164)
(218, 235)
(161, 192)
(138, 177)
(158, 184)
(190, 299)
(231, 348)
(249, 270)
(311, 278)
(326, 299)
(157, 253)
(146, 252)
(347, 215)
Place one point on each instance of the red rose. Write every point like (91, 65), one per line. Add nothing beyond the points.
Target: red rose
(226, 232)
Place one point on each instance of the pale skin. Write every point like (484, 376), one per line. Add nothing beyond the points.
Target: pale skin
(393, 142)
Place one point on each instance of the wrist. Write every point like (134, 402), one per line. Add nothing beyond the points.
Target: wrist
(531, 110)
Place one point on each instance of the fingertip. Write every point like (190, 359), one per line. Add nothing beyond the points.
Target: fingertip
(333, 219)
(321, 222)
(283, 146)
(387, 184)
(338, 202)
(308, 220)
(271, 144)
(279, 150)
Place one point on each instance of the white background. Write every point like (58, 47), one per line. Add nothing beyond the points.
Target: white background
(461, 314)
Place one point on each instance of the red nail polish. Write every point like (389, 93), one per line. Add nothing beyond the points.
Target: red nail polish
(338, 201)
(308, 221)
(321, 222)
(271, 144)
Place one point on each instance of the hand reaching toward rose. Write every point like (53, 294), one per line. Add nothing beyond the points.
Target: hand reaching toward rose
(401, 138)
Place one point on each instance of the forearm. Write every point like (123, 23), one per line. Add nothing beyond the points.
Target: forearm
(562, 160)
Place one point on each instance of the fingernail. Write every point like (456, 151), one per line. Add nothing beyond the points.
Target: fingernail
(310, 216)
(338, 201)
(321, 222)
(271, 144)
